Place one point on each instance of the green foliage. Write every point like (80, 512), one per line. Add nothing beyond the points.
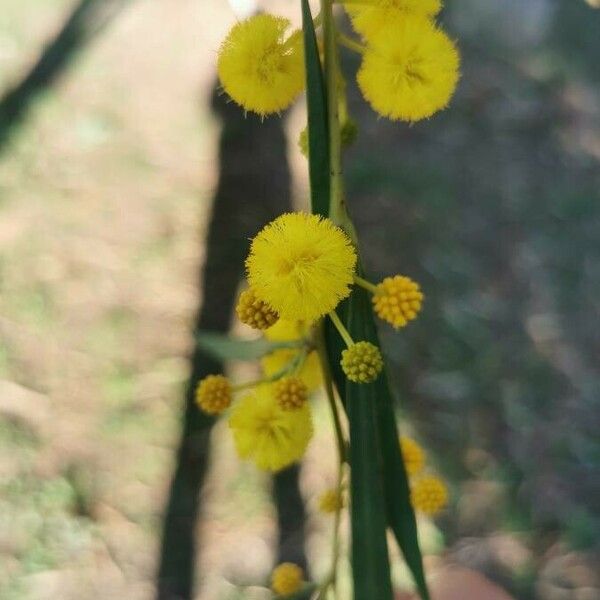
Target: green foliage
(223, 347)
(379, 486)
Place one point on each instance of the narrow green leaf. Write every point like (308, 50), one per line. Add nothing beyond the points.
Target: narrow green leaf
(401, 516)
(400, 513)
(370, 559)
(224, 347)
(318, 130)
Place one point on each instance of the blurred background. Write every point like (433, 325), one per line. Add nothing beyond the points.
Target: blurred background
(128, 191)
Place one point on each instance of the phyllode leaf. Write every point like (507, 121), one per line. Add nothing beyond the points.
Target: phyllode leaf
(318, 130)
(358, 317)
(370, 559)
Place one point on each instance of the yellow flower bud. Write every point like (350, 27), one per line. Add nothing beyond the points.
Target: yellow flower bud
(286, 579)
(362, 362)
(397, 300)
(213, 394)
(413, 455)
(290, 393)
(429, 495)
(254, 312)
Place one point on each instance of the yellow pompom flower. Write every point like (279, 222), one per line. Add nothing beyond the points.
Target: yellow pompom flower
(370, 16)
(429, 495)
(362, 362)
(330, 501)
(266, 433)
(254, 312)
(302, 265)
(286, 579)
(260, 69)
(397, 300)
(412, 454)
(290, 393)
(409, 71)
(213, 394)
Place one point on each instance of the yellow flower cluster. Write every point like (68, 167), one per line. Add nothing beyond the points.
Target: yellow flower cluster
(258, 67)
(290, 393)
(369, 17)
(410, 72)
(267, 434)
(409, 68)
(213, 395)
(362, 362)
(254, 312)
(287, 579)
(429, 494)
(397, 300)
(301, 265)
(413, 455)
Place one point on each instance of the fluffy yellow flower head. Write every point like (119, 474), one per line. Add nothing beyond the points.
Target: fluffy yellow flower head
(286, 579)
(413, 455)
(266, 433)
(409, 71)
(254, 312)
(362, 362)
(258, 68)
(302, 265)
(331, 501)
(370, 16)
(213, 394)
(275, 362)
(397, 300)
(429, 495)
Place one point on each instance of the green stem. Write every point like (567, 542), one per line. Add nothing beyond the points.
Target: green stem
(367, 285)
(292, 367)
(337, 208)
(351, 44)
(328, 382)
(341, 329)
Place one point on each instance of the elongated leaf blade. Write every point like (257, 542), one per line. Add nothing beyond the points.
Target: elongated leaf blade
(318, 130)
(399, 510)
(400, 513)
(370, 559)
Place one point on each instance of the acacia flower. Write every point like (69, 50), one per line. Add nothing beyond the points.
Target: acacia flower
(412, 454)
(362, 362)
(409, 71)
(258, 68)
(369, 16)
(290, 393)
(254, 312)
(266, 433)
(397, 300)
(429, 495)
(286, 579)
(302, 265)
(213, 394)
